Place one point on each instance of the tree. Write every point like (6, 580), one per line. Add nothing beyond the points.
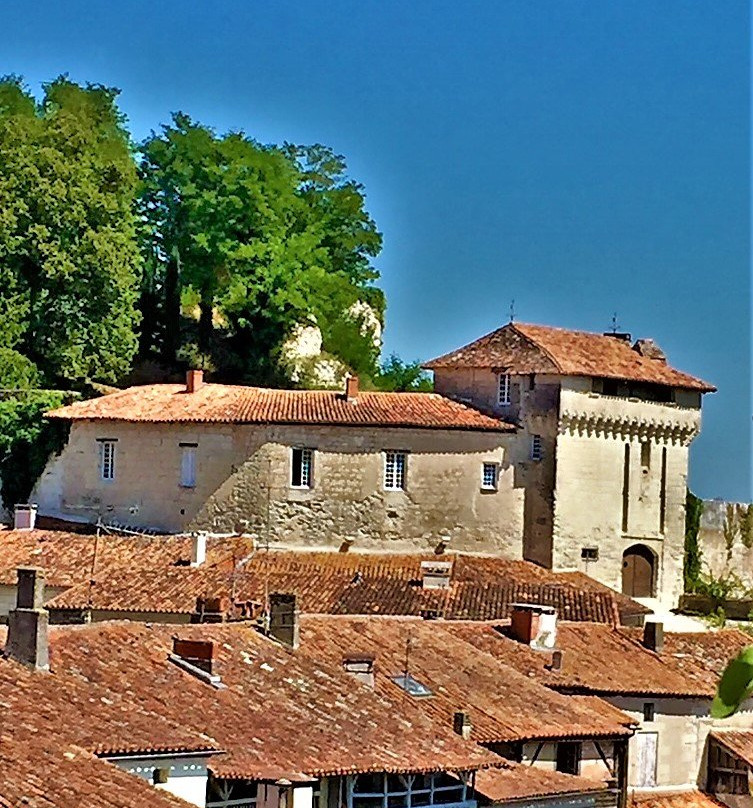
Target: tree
(69, 261)
(746, 525)
(693, 558)
(402, 376)
(257, 239)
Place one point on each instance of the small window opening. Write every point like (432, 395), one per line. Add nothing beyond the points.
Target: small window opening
(412, 686)
(394, 471)
(589, 553)
(646, 455)
(649, 709)
(301, 472)
(568, 757)
(107, 459)
(160, 776)
(503, 389)
(489, 474)
(537, 449)
(188, 465)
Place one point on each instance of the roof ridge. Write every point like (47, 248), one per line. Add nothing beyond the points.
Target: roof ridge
(536, 344)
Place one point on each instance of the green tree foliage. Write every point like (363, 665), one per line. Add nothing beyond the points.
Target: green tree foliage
(69, 260)
(693, 558)
(27, 440)
(395, 374)
(746, 525)
(262, 238)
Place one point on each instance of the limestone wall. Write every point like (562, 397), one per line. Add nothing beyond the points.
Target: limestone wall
(715, 555)
(590, 480)
(243, 481)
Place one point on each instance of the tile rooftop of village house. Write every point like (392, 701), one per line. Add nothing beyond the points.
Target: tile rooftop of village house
(228, 404)
(528, 348)
(152, 574)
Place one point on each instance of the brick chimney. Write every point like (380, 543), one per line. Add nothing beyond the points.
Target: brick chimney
(461, 723)
(653, 636)
(351, 388)
(198, 548)
(534, 625)
(199, 653)
(283, 619)
(27, 624)
(194, 380)
(24, 517)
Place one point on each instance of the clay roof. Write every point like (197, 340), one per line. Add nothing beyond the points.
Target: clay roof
(150, 574)
(601, 659)
(271, 692)
(515, 781)
(739, 742)
(503, 705)
(228, 404)
(526, 348)
(681, 799)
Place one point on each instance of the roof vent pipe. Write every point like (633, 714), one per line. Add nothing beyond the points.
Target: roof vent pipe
(24, 517)
(194, 380)
(284, 624)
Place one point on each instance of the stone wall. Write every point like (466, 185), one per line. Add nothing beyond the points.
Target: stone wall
(716, 557)
(243, 477)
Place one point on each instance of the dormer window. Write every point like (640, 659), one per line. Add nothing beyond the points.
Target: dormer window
(503, 389)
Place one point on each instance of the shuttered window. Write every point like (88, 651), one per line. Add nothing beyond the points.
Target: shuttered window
(188, 465)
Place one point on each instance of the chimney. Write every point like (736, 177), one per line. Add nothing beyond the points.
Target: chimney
(461, 723)
(194, 380)
(24, 517)
(198, 548)
(653, 636)
(351, 388)
(534, 625)
(27, 623)
(436, 574)
(649, 349)
(283, 619)
(556, 663)
(199, 653)
(622, 336)
(361, 666)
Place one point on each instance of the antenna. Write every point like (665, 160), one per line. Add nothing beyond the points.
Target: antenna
(615, 327)
(512, 310)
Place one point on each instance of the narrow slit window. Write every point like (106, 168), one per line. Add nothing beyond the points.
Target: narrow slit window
(625, 488)
(302, 470)
(646, 455)
(503, 389)
(107, 459)
(188, 466)
(537, 448)
(394, 471)
(489, 474)
(663, 491)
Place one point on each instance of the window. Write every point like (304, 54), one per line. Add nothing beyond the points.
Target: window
(401, 790)
(568, 757)
(107, 459)
(589, 553)
(625, 488)
(411, 686)
(648, 711)
(663, 491)
(646, 455)
(301, 473)
(503, 389)
(188, 465)
(537, 451)
(489, 472)
(394, 471)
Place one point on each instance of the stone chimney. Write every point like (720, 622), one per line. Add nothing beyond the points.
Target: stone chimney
(461, 723)
(556, 663)
(361, 667)
(284, 624)
(194, 380)
(534, 625)
(649, 349)
(653, 636)
(198, 548)
(622, 336)
(27, 624)
(351, 388)
(24, 517)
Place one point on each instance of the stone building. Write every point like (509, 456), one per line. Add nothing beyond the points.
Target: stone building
(565, 448)
(607, 425)
(292, 467)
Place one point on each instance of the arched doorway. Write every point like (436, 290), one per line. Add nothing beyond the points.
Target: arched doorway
(638, 571)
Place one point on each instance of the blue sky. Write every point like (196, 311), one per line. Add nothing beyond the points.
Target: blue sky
(580, 157)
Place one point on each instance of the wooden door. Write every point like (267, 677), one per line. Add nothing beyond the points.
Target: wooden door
(646, 749)
(638, 572)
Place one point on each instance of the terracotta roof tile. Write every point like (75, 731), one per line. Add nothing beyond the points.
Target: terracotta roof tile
(739, 742)
(515, 781)
(504, 706)
(526, 348)
(601, 659)
(226, 404)
(149, 574)
(681, 799)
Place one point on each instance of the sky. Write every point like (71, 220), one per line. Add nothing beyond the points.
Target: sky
(580, 158)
